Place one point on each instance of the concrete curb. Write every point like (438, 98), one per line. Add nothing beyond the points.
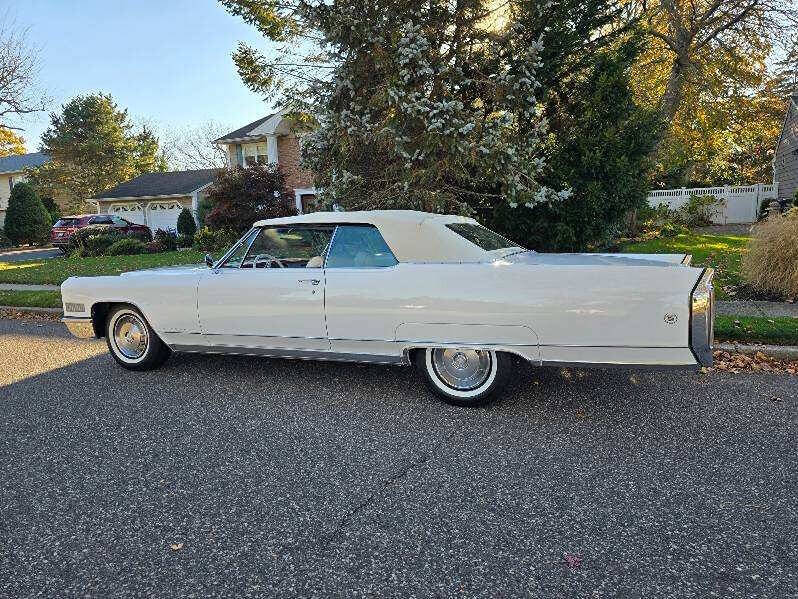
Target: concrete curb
(32, 310)
(780, 352)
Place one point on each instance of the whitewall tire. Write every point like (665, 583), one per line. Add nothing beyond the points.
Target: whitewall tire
(463, 376)
(132, 341)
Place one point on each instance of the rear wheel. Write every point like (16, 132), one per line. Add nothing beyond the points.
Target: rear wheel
(464, 376)
(132, 342)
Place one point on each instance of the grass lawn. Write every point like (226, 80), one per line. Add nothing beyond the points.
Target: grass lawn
(31, 299)
(776, 331)
(721, 252)
(57, 270)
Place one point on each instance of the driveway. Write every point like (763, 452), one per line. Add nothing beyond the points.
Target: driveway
(221, 476)
(33, 254)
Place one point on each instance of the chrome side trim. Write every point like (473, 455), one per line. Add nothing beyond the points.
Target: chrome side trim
(291, 354)
(81, 327)
(702, 317)
(615, 366)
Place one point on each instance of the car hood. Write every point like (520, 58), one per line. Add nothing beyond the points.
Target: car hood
(542, 259)
(166, 270)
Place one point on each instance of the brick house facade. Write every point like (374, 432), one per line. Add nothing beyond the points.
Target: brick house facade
(271, 140)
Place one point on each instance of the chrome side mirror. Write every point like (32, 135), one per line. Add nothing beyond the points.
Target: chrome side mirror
(208, 260)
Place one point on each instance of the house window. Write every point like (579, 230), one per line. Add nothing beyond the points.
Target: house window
(255, 154)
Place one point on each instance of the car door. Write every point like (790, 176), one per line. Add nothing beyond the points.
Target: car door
(362, 283)
(268, 291)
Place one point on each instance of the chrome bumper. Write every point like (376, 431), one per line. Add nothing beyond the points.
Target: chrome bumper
(702, 318)
(79, 327)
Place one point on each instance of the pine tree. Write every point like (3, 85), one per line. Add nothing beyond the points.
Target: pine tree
(185, 223)
(27, 220)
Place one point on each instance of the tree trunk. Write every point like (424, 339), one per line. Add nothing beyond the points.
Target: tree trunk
(671, 99)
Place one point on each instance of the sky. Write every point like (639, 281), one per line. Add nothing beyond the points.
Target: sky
(168, 62)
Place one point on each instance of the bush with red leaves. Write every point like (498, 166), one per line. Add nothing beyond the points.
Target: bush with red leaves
(241, 196)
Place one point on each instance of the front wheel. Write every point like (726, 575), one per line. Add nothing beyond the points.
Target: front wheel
(464, 376)
(132, 342)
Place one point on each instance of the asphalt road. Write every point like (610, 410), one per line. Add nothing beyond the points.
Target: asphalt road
(279, 478)
(33, 254)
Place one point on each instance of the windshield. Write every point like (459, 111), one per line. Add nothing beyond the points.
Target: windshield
(66, 222)
(482, 237)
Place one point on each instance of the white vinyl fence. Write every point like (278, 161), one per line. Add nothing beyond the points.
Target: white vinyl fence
(736, 204)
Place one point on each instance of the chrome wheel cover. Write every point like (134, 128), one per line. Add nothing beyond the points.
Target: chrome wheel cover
(130, 336)
(462, 369)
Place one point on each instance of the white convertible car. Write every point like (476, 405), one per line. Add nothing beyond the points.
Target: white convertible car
(441, 292)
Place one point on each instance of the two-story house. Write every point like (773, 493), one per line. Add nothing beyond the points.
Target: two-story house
(12, 171)
(156, 199)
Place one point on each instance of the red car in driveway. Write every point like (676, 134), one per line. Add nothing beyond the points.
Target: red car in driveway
(66, 226)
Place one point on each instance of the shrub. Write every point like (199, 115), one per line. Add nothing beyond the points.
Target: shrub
(242, 196)
(167, 239)
(154, 247)
(125, 247)
(206, 240)
(204, 209)
(4, 241)
(92, 240)
(27, 220)
(185, 241)
(186, 224)
(771, 264)
(699, 210)
(795, 198)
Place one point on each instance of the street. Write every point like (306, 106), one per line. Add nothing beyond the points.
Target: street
(224, 476)
(31, 254)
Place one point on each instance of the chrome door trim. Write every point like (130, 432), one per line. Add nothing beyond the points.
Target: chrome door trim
(292, 354)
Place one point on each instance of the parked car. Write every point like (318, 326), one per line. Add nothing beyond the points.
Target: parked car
(66, 226)
(441, 292)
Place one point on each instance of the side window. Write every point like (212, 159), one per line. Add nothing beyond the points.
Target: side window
(289, 247)
(359, 246)
(237, 257)
(101, 220)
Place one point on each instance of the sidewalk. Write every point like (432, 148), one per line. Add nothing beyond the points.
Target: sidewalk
(25, 287)
(752, 308)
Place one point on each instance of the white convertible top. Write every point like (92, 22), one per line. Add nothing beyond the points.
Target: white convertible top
(413, 236)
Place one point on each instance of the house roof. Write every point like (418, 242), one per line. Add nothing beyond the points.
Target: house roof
(272, 124)
(412, 236)
(19, 162)
(161, 184)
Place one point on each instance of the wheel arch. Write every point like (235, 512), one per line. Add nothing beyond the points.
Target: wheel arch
(101, 310)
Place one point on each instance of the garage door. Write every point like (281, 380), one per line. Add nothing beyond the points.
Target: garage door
(163, 215)
(130, 212)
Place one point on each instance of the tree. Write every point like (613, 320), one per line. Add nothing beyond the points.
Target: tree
(10, 143)
(242, 196)
(432, 106)
(600, 149)
(27, 220)
(700, 40)
(186, 224)
(19, 66)
(193, 148)
(92, 146)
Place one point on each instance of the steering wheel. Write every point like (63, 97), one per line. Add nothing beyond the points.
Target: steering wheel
(270, 258)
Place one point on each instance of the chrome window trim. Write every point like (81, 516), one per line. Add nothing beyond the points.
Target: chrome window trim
(332, 240)
(702, 316)
(233, 248)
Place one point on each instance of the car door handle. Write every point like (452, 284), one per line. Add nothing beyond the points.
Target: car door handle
(311, 281)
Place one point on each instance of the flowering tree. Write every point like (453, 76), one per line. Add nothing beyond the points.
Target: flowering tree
(429, 105)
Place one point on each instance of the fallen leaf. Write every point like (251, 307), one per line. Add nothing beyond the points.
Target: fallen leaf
(176, 546)
(572, 560)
